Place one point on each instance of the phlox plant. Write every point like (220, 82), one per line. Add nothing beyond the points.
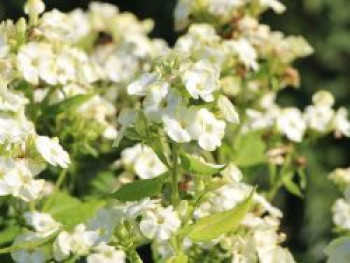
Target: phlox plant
(111, 141)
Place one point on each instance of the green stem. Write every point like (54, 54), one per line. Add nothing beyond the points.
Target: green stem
(174, 174)
(134, 256)
(58, 185)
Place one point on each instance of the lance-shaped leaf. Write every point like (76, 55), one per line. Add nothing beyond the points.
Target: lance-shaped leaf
(194, 165)
(140, 189)
(249, 150)
(68, 104)
(215, 225)
(179, 258)
(70, 211)
(141, 125)
(227, 110)
(291, 186)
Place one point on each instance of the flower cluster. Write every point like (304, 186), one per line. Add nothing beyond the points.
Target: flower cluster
(319, 118)
(24, 153)
(171, 98)
(337, 250)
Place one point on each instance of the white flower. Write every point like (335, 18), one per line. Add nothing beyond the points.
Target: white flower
(290, 122)
(201, 80)
(148, 165)
(340, 123)
(266, 206)
(15, 131)
(30, 58)
(62, 246)
(34, 7)
(99, 109)
(160, 224)
(339, 250)
(106, 254)
(104, 222)
(228, 196)
(82, 240)
(6, 164)
(121, 67)
(323, 98)
(11, 101)
(233, 173)
(275, 5)
(319, 118)
(156, 100)
(176, 125)
(341, 213)
(257, 120)
(101, 14)
(181, 13)
(140, 86)
(28, 256)
(206, 129)
(224, 7)
(16, 178)
(58, 26)
(4, 48)
(51, 151)
(126, 117)
(65, 69)
(227, 109)
(134, 209)
(341, 176)
(41, 222)
(143, 161)
(159, 101)
(245, 52)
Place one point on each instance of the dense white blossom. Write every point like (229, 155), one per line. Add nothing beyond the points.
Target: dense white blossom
(52, 151)
(143, 161)
(201, 80)
(160, 223)
(290, 122)
(106, 254)
(206, 129)
(42, 223)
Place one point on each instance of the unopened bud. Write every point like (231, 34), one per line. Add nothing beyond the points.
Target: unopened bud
(34, 7)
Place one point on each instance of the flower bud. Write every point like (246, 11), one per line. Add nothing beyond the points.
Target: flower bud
(21, 26)
(34, 7)
(323, 98)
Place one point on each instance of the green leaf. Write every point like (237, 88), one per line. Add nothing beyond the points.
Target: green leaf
(141, 124)
(140, 189)
(194, 165)
(103, 182)
(215, 225)
(292, 187)
(215, 184)
(118, 139)
(68, 104)
(131, 134)
(179, 258)
(249, 150)
(227, 109)
(8, 234)
(70, 211)
(158, 147)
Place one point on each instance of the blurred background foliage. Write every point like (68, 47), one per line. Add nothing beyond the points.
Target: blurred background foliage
(326, 25)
